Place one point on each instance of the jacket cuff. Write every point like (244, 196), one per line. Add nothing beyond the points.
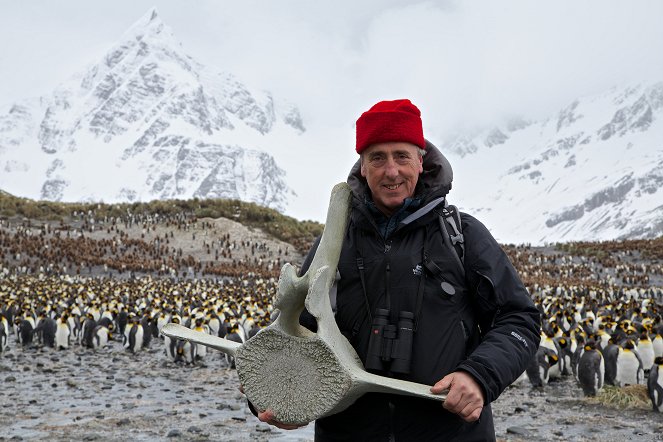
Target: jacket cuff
(480, 374)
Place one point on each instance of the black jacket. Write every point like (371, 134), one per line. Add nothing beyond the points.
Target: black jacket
(488, 328)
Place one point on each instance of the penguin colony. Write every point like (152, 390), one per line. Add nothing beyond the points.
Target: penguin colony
(62, 313)
(100, 282)
(607, 332)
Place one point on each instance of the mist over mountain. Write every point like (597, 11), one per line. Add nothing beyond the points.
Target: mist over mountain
(147, 122)
(593, 171)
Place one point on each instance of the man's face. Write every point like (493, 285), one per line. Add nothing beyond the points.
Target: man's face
(392, 171)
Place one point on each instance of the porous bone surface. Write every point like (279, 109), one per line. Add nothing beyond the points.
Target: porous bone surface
(298, 378)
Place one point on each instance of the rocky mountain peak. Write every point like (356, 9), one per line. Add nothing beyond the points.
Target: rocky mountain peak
(147, 121)
(592, 171)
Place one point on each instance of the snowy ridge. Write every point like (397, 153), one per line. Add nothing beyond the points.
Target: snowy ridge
(592, 172)
(147, 122)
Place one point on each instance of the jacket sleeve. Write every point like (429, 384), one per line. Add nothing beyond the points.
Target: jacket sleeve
(509, 321)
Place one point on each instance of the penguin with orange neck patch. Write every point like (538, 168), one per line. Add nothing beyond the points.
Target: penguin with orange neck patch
(655, 384)
(591, 369)
(629, 365)
(62, 332)
(4, 334)
(201, 327)
(185, 351)
(538, 370)
(133, 334)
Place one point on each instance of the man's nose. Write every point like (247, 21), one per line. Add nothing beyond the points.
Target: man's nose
(391, 168)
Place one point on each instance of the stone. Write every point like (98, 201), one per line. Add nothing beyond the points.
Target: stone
(520, 431)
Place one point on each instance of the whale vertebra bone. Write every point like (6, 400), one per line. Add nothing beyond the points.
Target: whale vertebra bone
(298, 374)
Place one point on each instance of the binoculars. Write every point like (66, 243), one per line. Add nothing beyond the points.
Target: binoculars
(389, 345)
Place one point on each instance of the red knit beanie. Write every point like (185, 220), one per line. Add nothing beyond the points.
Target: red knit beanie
(397, 120)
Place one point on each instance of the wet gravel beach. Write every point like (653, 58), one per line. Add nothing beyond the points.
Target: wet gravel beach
(113, 395)
(178, 265)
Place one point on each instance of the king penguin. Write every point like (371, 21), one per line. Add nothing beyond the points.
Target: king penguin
(87, 331)
(629, 365)
(555, 369)
(591, 370)
(563, 344)
(200, 326)
(134, 335)
(4, 333)
(646, 351)
(4, 339)
(171, 344)
(62, 333)
(657, 343)
(610, 354)
(100, 336)
(655, 384)
(233, 335)
(25, 331)
(186, 352)
(171, 348)
(48, 327)
(538, 369)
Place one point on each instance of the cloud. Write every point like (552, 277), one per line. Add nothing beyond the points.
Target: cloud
(463, 63)
(460, 61)
(475, 62)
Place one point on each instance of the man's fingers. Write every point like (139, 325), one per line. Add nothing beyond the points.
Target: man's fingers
(464, 397)
(441, 385)
(452, 401)
(267, 416)
(471, 411)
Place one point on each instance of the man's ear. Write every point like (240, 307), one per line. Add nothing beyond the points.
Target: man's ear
(363, 166)
(421, 164)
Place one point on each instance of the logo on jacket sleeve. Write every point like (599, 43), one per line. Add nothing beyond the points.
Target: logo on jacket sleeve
(520, 338)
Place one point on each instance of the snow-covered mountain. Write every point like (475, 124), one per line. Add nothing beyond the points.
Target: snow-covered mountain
(147, 122)
(594, 171)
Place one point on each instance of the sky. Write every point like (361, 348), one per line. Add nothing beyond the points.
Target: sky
(463, 63)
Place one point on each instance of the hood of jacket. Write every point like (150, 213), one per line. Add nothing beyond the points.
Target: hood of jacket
(434, 181)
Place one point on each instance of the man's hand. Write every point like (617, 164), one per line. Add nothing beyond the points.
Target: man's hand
(267, 416)
(465, 397)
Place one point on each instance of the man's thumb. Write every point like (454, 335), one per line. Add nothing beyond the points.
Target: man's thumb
(442, 385)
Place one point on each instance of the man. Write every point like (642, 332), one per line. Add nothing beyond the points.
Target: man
(474, 327)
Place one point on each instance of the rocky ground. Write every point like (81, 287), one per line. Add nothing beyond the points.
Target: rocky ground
(112, 395)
